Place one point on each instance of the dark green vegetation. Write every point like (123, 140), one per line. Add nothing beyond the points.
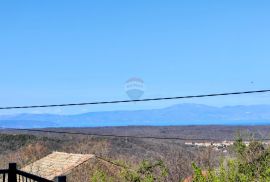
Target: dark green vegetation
(250, 163)
(141, 159)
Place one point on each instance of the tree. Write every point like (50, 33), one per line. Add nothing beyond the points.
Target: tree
(147, 172)
(251, 163)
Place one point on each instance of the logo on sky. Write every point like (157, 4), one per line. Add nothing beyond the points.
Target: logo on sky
(134, 88)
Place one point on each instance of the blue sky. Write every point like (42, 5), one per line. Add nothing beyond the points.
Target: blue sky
(77, 51)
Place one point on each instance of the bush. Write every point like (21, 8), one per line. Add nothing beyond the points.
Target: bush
(147, 172)
(251, 163)
(100, 176)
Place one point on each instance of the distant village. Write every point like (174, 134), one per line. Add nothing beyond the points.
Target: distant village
(218, 146)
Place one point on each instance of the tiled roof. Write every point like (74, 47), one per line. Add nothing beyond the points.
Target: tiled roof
(56, 164)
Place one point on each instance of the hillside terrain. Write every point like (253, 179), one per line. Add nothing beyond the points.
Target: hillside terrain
(25, 147)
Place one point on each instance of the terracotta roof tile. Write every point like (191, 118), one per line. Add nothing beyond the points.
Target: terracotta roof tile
(56, 164)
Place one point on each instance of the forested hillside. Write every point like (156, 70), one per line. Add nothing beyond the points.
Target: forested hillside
(25, 147)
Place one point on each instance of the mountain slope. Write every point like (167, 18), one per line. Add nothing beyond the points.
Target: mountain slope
(183, 114)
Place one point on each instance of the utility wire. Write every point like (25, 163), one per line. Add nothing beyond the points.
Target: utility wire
(126, 101)
(102, 135)
(136, 100)
(113, 163)
(121, 136)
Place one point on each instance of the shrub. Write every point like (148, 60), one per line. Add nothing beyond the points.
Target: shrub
(251, 163)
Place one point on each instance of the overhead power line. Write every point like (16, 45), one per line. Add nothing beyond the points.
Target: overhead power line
(102, 135)
(136, 100)
(113, 163)
(121, 136)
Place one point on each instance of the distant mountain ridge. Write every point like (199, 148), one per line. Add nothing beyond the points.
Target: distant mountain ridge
(182, 114)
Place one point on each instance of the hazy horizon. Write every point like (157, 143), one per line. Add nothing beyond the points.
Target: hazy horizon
(30, 111)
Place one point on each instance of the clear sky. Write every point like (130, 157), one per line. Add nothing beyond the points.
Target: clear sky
(78, 51)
